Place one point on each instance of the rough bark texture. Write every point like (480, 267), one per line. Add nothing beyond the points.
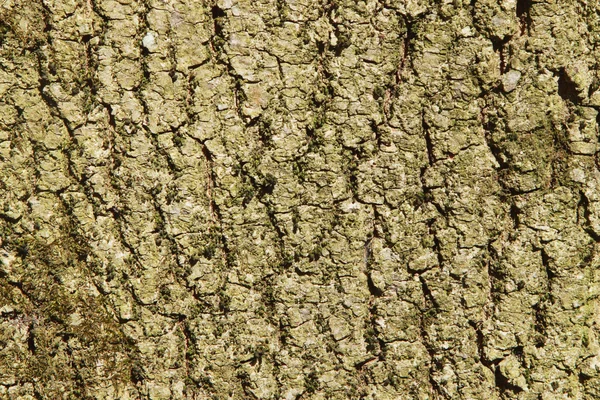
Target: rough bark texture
(296, 199)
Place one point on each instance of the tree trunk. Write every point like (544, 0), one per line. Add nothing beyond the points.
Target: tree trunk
(269, 199)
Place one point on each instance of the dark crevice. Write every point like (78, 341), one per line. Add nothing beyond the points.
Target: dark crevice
(343, 40)
(111, 117)
(311, 384)
(437, 249)
(119, 217)
(382, 230)
(375, 345)
(320, 47)
(541, 308)
(217, 13)
(433, 304)
(583, 378)
(567, 88)
(171, 243)
(282, 10)
(266, 186)
(280, 233)
(503, 384)
(499, 46)
(407, 48)
(31, 339)
(190, 345)
(495, 275)
(265, 131)
(9, 219)
(47, 19)
(239, 95)
(511, 190)
(23, 251)
(262, 187)
(489, 121)
(269, 298)
(137, 375)
(37, 394)
(351, 172)
(518, 351)
(472, 5)
(207, 154)
(481, 345)
(373, 290)
(217, 42)
(218, 39)
(90, 80)
(546, 263)
(585, 215)
(595, 85)
(428, 141)
(378, 136)
(361, 364)
(514, 215)
(427, 196)
(214, 207)
(540, 311)
(5, 29)
(524, 15)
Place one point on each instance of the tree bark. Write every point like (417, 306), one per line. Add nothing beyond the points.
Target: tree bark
(268, 199)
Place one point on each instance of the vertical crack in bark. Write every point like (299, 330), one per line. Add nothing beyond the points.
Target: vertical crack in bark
(215, 212)
(481, 345)
(410, 35)
(53, 108)
(189, 347)
(433, 363)
(375, 344)
(31, 338)
(541, 307)
(428, 141)
(584, 217)
(523, 11)
(499, 46)
(489, 125)
(495, 276)
(217, 43)
(427, 315)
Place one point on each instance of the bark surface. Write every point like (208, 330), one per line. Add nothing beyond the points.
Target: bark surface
(299, 199)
